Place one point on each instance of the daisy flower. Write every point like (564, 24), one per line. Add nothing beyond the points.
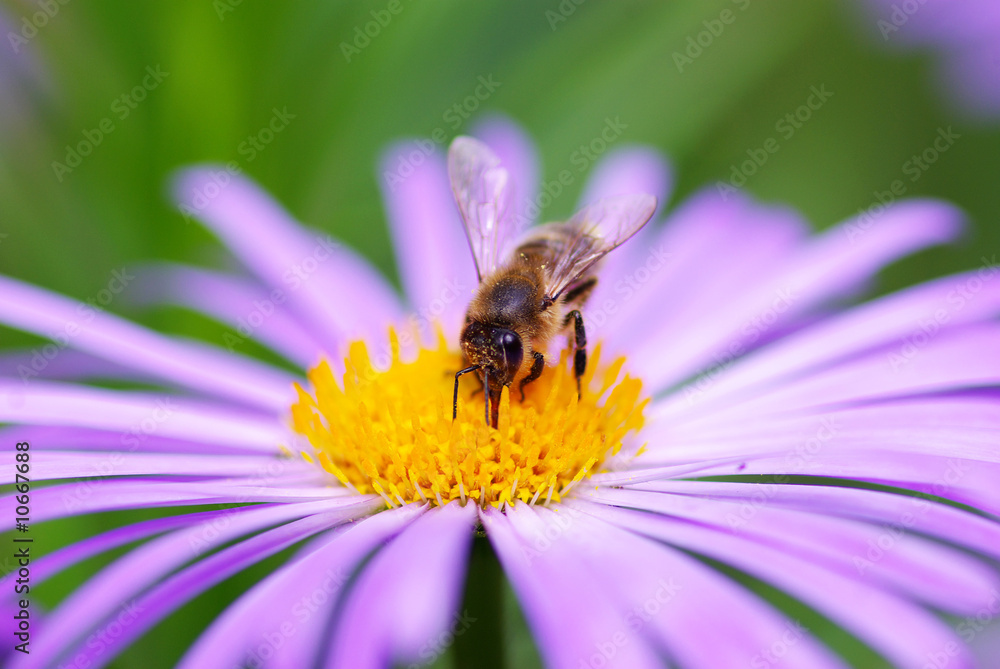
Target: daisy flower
(964, 33)
(738, 424)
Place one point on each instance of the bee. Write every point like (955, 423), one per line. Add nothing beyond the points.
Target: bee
(533, 286)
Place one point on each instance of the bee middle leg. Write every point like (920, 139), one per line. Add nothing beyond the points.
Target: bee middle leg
(580, 357)
(536, 370)
(579, 293)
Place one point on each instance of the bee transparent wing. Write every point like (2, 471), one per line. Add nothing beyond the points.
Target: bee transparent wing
(482, 191)
(597, 229)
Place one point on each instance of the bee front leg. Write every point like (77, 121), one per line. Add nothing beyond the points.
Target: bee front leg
(536, 370)
(580, 358)
(454, 405)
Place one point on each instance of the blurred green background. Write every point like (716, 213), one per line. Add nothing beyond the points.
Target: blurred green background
(563, 68)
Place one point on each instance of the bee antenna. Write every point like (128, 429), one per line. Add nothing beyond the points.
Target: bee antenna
(454, 404)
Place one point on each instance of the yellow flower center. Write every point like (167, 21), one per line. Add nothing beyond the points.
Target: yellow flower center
(391, 432)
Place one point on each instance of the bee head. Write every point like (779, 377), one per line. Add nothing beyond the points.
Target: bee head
(496, 350)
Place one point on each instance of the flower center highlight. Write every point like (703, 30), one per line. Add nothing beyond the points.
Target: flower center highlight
(391, 432)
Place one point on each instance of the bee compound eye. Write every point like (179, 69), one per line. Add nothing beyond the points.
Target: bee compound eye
(512, 350)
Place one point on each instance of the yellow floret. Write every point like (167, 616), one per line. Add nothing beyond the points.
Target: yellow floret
(392, 433)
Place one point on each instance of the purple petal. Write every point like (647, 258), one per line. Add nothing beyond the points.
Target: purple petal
(67, 365)
(628, 170)
(294, 601)
(114, 588)
(697, 248)
(571, 620)
(517, 154)
(763, 238)
(936, 574)
(48, 465)
(136, 414)
(92, 496)
(914, 514)
(904, 633)
(964, 32)
(623, 171)
(964, 357)
(327, 285)
(966, 481)
(175, 591)
(251, 311)
(953, 22)
(970, 73)
(191, 365)
(913, 315)
(959, 426)
(673, 599)
(48, 437)
(407, 597)
(432, 252)
(631, 267)
(62, 559)
(832, 265)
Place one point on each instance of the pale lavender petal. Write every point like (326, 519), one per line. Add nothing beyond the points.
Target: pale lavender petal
(948, 426)
(969, 482)
(671, 255)
(971, 73)
(831, 265)
(49, 437)
(904, 633)
(92, 496)
(909, 318)
(937, 21)
(697, 247)
(622, 273)
(328, 286)
(60, 501)
(764, 237)
(964, 357)
(252, 312)
(295, 601)
(407, 597)
(560, 639)
(58, 561)
(47, 465)
(628, 170)
(674, 598)
(49, 361)
(191, 365)
(178, 589)
(433, 255)
(891, 510)
(570, 620)
(963, 32)
(517, 154)
(136, 414)
(117, 585)
(920, 569)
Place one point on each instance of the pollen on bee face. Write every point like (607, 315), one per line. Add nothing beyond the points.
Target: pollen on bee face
(391, 432)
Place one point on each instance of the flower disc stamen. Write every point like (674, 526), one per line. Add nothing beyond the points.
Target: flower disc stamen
(391, 432)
